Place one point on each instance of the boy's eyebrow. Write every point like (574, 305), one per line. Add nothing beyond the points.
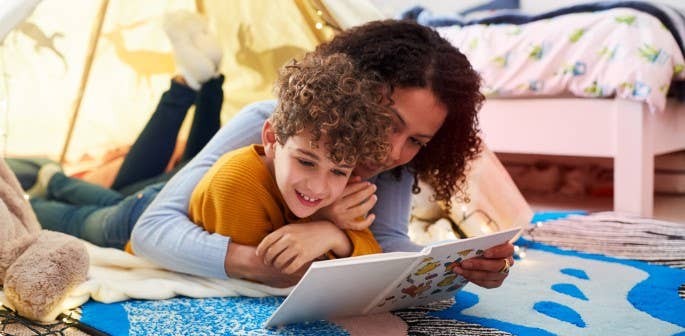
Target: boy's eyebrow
(404, 123)
(308, 153)
(316, 157)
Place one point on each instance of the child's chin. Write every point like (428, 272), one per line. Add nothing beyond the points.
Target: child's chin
(304, 214)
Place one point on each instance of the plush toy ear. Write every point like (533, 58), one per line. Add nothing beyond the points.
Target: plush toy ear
(269, 139)
(21, 219)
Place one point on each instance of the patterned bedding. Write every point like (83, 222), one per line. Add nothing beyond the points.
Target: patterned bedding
(619, 52)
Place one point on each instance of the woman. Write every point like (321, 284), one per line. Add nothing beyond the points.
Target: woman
(435, 98)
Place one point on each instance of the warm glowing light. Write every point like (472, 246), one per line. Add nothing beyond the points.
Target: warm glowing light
(485, 228)
(319, 25)
(319, 13)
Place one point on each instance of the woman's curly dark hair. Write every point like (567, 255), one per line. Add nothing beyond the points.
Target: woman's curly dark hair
(328, 96)
(407, 55)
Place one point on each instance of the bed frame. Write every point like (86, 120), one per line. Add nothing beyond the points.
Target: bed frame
(621, 129)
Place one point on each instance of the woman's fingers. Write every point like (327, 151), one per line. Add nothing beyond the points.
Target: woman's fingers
(488, 273)
(502, 251)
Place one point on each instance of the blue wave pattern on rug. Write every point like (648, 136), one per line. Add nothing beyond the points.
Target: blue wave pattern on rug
(185, 316)
(553, 291)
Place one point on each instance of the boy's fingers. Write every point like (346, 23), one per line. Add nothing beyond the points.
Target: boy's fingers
(363, 207)
(267, 242)
(273, 251)
(295, 265)
(284, 258)
(363, 224)
(351, 189)
(360, 197)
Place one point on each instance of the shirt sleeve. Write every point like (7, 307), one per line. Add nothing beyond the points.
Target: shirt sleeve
(392, 212)
(164, 233)
(363, 242)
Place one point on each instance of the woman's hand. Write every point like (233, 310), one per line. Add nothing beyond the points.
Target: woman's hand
(295, 245)
(349, 211)
(242, 262)
(489, 270)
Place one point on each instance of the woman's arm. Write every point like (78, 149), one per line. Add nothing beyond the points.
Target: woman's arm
(392, 212)
(165, 235)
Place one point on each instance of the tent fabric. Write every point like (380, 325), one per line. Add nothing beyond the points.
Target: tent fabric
(44, 60)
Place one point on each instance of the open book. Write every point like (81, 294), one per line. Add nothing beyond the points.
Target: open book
(381, 282)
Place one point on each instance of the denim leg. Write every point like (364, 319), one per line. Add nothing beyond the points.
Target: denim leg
(152, 150)
(105, 226)
(78, 192)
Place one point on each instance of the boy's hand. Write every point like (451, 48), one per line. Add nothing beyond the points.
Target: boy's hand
(349, 212)
(294, 245)
(487, 271)
(242, 262)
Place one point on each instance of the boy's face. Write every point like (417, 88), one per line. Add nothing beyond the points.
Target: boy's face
(306, 177)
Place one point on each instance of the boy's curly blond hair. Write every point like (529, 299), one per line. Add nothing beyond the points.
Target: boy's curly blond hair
(328, 96)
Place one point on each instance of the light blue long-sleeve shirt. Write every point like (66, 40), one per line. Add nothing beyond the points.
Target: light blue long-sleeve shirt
(165, 235)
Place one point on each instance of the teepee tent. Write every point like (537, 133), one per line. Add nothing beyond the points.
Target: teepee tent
(82, 77)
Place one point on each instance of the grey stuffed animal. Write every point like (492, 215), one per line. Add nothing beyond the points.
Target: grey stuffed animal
(38, 268)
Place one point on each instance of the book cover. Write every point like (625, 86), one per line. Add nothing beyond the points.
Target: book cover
(382, 282)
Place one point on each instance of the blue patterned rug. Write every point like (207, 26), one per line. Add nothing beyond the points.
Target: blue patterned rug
(550, 291)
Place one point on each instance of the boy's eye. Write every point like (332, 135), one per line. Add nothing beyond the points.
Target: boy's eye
(306, 163)
(339, 172)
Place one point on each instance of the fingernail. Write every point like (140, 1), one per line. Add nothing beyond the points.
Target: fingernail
(466, 264)
(457, 269)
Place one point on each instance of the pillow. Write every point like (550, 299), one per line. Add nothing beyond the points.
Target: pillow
(490, 8)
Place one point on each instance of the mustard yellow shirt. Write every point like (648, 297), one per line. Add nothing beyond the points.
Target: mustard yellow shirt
(238, 197)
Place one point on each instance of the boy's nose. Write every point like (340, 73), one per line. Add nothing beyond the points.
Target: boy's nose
(317, 185)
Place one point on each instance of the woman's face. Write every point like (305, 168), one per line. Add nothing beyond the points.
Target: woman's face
(417, 116)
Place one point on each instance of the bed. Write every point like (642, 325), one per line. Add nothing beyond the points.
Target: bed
(588, 80)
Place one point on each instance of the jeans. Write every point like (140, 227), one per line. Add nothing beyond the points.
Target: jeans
(101, 216)
(105, 217)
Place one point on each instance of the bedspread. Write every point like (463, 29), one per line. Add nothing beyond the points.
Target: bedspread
(620, 52)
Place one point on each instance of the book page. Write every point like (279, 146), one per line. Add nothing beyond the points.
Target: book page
(341, 287)
(432, 278)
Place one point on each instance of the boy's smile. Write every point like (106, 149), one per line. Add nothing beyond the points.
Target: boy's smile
(306, 177)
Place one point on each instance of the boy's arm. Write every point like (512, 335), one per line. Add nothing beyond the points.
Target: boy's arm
(297, 244)
(165, 234)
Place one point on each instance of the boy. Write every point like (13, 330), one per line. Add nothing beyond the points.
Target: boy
(329, 116)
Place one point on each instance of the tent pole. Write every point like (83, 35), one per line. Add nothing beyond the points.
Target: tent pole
(92, 46)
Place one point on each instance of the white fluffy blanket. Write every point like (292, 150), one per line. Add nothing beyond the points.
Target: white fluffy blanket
(115, 275)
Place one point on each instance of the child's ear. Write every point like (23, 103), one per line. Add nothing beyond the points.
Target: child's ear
(268, 139)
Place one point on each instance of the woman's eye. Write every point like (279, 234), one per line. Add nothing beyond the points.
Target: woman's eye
(417, 142)
(305, 163)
